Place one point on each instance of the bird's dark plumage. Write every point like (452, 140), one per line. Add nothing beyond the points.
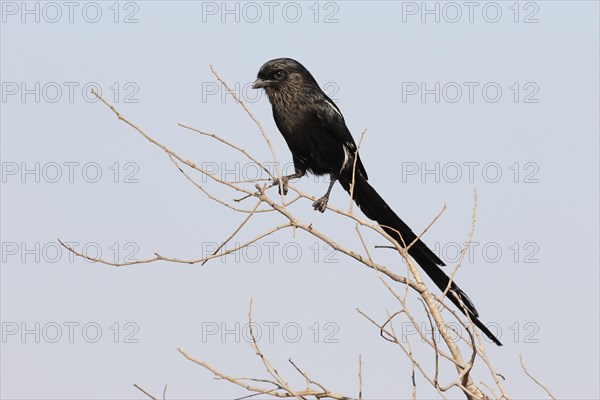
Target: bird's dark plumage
(316, 134)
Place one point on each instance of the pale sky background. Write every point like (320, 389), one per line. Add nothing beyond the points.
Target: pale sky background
(533, 271)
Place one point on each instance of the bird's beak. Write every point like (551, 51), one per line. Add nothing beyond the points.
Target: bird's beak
(260, 83)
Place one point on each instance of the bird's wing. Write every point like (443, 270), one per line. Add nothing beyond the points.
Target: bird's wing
(333, 121)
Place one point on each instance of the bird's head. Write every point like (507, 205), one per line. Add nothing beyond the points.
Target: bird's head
(281, 74)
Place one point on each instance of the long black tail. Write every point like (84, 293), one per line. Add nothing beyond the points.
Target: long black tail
(376, 209)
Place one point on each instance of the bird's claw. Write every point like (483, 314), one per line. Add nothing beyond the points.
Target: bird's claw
(321, 204)
(284, 184)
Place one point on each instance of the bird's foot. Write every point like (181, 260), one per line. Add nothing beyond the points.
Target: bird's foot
(284, 184)
(321, 204)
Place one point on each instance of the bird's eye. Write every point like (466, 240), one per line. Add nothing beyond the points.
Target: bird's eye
(279, 74)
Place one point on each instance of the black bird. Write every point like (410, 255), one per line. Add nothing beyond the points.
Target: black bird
(316, 133)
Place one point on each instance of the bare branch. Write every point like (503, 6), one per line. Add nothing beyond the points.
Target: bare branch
(220, 139)
(463, 251)
(260, 127)
(159, 257)
(362, 135)
(236, 230)
(135, 385)
(533, 379)
(275, 385)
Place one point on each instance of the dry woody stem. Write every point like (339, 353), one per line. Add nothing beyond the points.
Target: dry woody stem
(429, 365)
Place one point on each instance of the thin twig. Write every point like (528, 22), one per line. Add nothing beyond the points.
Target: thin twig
(533, 379)
(260, 127)
(220, 139)
(362, 135)
(235, 232)
(135, 385)
(463, 251)
(360, 383)
(159, 257)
